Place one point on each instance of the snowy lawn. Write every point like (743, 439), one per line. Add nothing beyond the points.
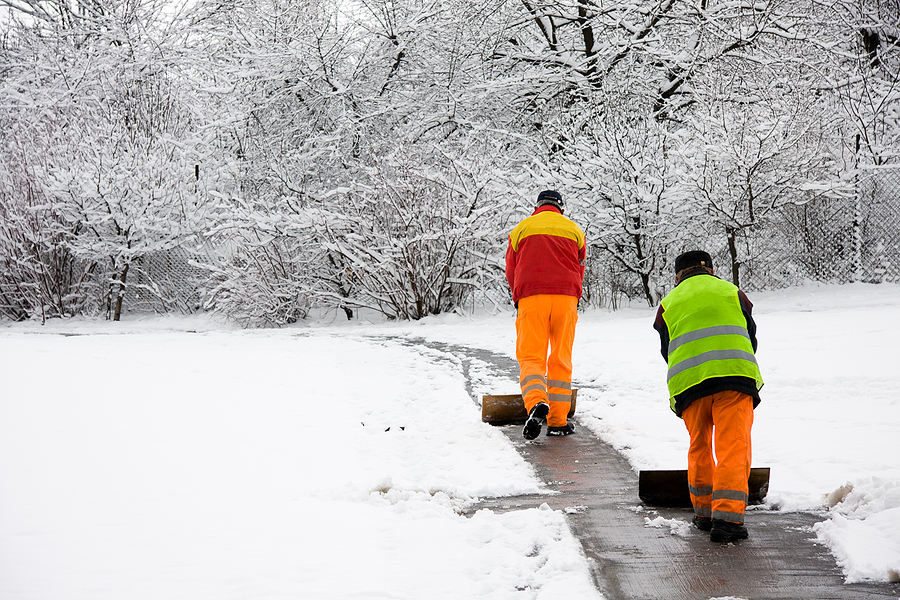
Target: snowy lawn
(148, 464)
(141, 460)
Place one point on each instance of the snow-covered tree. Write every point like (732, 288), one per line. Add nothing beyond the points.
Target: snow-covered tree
(342, 116)
(101, 82)
(623, 186)
(40, 277)
(415, 240)
(579, 68)
(372, 153)
(862, 63)
(761, 139)
(853, 49)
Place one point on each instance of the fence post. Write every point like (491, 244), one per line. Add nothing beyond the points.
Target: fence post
(857, 219)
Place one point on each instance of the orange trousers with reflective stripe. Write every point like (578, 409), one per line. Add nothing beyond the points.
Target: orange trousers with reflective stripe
(719, 486)
(546, 320)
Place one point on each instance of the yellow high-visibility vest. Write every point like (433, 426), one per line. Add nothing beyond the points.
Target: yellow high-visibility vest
(708, 334)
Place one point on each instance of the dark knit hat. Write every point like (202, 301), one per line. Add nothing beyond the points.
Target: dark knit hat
(694, 258)
(551, 197)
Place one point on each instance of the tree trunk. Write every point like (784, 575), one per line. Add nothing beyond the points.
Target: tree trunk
(732, 250)
(120, 293)
(645, 281)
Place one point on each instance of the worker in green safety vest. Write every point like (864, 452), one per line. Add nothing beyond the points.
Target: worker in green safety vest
(708, 339)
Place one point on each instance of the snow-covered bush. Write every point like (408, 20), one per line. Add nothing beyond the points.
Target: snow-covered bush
(413, 240)
(40, 277)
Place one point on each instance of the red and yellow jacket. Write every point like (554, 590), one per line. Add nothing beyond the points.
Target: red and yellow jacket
(545, 255)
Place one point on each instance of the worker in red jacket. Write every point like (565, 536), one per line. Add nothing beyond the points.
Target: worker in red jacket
(545, 268)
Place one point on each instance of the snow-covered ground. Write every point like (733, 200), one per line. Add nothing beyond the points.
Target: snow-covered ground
(169, 458)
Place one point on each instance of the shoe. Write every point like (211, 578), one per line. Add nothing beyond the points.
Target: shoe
(702, 523)
(725, 531)
(535, 420)
(566, 429)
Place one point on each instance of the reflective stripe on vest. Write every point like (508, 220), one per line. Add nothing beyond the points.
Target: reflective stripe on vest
(708, 334)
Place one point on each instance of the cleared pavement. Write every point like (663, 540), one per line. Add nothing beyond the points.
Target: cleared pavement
(598, 490)
(630, 560)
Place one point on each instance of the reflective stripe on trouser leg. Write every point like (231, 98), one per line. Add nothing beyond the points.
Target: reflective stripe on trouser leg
(532, 338)
(563, 319)
(534, 390)
(701, 467)
(732, 414)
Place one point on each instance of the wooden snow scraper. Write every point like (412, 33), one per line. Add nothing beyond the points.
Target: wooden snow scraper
(509, 408)
(655, 488)
(670, 488)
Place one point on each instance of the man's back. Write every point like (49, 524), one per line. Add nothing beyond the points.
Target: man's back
(545, 255)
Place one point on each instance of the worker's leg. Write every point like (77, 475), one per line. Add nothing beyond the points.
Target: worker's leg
(701, 468)
(532, 335)
(732, 413)
(563, 318)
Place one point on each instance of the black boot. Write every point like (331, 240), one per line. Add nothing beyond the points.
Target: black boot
(726, 531)
(566, 429)
(535, 420)
(702, 523)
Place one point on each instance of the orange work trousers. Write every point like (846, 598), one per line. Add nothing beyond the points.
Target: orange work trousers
(546, 320)
(719, 487)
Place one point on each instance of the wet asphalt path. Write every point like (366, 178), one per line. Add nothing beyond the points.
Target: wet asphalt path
(629, 560)
(598, 490)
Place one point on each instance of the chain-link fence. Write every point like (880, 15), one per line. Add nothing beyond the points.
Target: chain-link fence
(853, 239)
(878, 227)
(831, 240)
(165, 281)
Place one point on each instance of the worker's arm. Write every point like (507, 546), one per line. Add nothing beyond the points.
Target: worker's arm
(660, 326)
(747, 309)
(511, 269)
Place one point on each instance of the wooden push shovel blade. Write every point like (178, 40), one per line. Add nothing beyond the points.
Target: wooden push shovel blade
(505, 409)
(670, 488)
